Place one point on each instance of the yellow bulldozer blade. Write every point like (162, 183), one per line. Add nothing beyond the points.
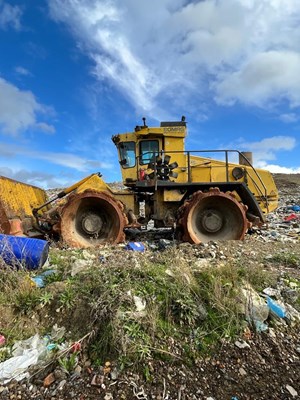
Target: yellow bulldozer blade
(17, 200)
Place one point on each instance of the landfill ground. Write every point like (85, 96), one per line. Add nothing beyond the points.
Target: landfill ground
(258, 364)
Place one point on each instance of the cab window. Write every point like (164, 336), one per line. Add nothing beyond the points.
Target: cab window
(127, 154)
(148, 149)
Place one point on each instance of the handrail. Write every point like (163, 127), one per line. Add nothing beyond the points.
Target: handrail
(262, 192)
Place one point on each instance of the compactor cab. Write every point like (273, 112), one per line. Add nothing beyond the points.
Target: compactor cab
(144, 153)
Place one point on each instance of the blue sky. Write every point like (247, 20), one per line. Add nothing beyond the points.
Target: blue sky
(75, 72)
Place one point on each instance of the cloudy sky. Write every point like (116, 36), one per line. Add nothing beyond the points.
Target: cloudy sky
(75, 72)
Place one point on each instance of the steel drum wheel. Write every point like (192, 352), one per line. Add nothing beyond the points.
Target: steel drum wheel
(92, 218)
(213, 215)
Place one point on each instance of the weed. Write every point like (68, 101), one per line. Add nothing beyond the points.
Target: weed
(69, 362)
(26, 298)
(287, 259)
(67, 298)
(45, 298)
(56, 277)
(4, 354)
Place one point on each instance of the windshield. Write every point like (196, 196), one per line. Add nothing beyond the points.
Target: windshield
(148, 150)
(127, 154)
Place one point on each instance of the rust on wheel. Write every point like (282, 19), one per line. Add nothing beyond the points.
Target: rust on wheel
(92, 218)
(213, 215)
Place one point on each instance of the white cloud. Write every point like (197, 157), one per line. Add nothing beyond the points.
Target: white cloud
(277, 169)
(274, 143)
(269, 76)
(37, 178)
(22, 71)
(10, 16)
(19, 109)
(289, 118)
(42, 126)
(57, 158)
(180, 55)
(267, 150)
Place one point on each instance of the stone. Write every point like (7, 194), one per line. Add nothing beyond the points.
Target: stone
(291, 390)
(241, 344)
(49, 380)
(97, 380)
(61, 385)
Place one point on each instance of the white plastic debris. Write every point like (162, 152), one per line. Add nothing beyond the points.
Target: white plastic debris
(272, 292)
(255, 307)
(25, 353)
(139, 303)
(80, 265)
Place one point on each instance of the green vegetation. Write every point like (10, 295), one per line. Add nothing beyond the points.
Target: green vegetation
(286, 259)
(68, 363)
(140, 306)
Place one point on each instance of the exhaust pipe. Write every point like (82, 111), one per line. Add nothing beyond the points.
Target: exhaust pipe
(246, 158)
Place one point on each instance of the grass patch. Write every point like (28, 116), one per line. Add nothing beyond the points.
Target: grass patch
(140, 306)
(291, 260)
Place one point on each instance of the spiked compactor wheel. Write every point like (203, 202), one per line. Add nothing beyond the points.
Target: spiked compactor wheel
(213, 215)
(92, 218)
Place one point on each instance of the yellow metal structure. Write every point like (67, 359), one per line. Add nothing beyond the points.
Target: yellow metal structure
(17, 201)
(158, 169)
(193, 168)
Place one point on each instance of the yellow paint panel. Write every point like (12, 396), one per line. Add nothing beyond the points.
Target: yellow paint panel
(173, 195)
(94, 183)
(18, 199)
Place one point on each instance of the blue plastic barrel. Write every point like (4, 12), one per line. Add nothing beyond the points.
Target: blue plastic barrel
(23, 251)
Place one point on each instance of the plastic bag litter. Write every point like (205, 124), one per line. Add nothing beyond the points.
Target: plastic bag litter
(254, 307)
(25, 353)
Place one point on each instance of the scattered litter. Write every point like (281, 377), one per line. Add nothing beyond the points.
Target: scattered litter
(241, 344)
(139, 303)
(292, 314)
(57, 333)
(260, 326)
(276, 309)
(135, 246)
(2, 340)
(294, 208)
(255, 308)
(23, 251)
(272, 292)
(291, 217)
(39, 280)
(80, 265)
(164, 244)
(291, 390)
(25, 353)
